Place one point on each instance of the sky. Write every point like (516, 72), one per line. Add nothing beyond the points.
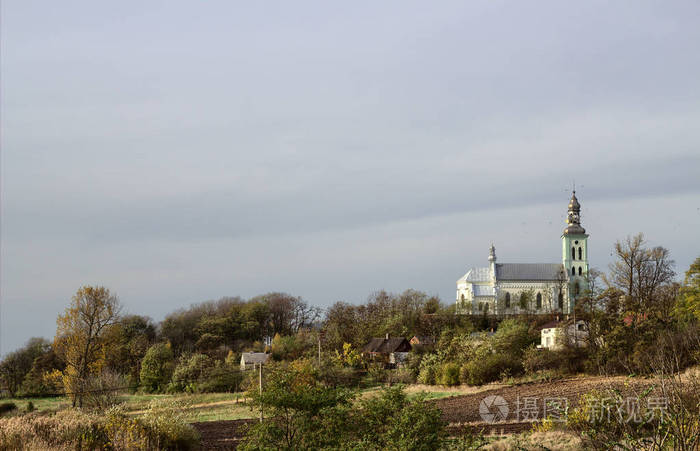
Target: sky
(177, 152)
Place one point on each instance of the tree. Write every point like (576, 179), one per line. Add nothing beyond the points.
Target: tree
(640, 273)
(157, 367)
(130, 338)
(80, 336)
(16, 365)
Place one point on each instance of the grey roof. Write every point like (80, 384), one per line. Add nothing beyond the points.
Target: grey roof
(529, 271)
(483, 290)
(477, 275)
(255, 357)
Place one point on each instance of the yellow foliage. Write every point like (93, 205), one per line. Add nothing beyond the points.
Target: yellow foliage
(81, 336)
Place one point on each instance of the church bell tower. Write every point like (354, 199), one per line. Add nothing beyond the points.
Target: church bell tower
(575, 254)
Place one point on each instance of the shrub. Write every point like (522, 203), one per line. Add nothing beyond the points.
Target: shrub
(489, 369)
(449, 374)
(392, 421)
(6, 407)
(221, 378)
(335, 376)
(190, 371)
(429, 368)
(536, 360)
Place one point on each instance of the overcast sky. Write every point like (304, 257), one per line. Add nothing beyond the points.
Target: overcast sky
(177, 152)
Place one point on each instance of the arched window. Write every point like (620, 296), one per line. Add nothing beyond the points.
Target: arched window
(573, 271)
(523, 301)
(580, 254)
(507, 300)
(539, 300)
(573, 253)
(486, 307)
(576, 289)
(481, 306)
(579, 270)
(561, 300)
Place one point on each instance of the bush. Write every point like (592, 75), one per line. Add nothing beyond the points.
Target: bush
(489, 369)
(6, 407)
(221, 378)
(449, 374)
(189, 372)
(536, 360)
(429, 369)
(336, 376)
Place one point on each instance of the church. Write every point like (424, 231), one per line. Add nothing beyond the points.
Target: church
(539, 288)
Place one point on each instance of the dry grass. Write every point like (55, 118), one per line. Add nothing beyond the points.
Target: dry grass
(554, 440)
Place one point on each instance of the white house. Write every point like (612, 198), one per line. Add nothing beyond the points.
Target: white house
(554, 334)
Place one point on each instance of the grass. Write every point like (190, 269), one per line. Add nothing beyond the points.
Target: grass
(197, 407)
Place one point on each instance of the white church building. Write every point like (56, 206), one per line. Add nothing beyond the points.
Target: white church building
(514, 288)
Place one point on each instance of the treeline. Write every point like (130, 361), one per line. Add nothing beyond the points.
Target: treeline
(634, 308)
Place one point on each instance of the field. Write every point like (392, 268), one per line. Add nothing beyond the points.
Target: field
(221, 418)
(197, 407)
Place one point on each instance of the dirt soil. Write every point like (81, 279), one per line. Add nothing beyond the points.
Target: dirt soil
(222, 435)
(462, 412)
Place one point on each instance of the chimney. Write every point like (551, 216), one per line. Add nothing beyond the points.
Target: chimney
(387, 336)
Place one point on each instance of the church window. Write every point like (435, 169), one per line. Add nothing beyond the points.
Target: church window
(579, 254)
(539, 300)
(561, 300)
(507, 300)
(523, 301)
(486, 307)
(481, 306)
(576, 288)
(573, 253)
(579, 270)
(573, 271)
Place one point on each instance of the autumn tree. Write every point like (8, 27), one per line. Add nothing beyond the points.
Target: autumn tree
(80, 337)
(642, 274)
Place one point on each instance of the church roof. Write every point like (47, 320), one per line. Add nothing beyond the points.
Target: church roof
(477, 275)
(528, 271)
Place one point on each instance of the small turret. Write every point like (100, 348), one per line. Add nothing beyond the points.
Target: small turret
(492, 262)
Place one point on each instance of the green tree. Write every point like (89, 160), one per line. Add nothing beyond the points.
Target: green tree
(157, 367)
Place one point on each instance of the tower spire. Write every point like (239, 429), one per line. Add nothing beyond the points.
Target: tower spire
(573, 219)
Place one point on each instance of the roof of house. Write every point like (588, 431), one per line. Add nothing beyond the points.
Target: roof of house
(387, 345)
(255, 357)
(529, 271)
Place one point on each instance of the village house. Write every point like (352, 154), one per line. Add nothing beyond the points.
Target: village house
(392, 350)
